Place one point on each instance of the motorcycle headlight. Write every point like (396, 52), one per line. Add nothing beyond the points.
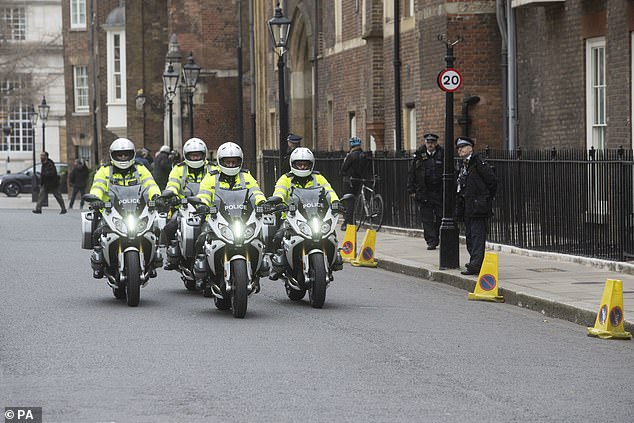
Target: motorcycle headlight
(325, 227)
(225, 232)
(315, 225)
(248, 232)
(238, 229)
(120, 225)
(142, 224)
(305, 229)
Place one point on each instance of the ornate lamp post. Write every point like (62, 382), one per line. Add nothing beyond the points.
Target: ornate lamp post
(34, 186)
(43, 109)
(191, 71)
(279, 30)
(170, 81)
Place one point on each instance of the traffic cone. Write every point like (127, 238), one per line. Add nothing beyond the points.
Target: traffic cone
(487, 287)
(609, 323)
(366, 254)
(349, 246)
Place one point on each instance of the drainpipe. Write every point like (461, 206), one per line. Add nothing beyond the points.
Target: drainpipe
(464, 119)
(512, 77)
(501, 18)
(254, 143)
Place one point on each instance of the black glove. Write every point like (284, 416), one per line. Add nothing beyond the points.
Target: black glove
(97, 205)
(272, 201)
(161, 203)
(202, 209)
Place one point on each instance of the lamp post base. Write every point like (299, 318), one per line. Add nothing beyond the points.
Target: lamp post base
(449, 253)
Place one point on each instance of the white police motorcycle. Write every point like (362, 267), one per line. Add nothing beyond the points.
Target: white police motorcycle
(233, 249)
(125, 251)
(309, 252)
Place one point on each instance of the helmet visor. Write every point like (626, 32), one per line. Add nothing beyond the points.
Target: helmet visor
(302, 164)
(231, 162)
(122, 155)
(195, 155)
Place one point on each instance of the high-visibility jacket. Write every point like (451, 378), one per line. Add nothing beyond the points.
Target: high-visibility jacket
(288, 180)
(240, 181)
(185, 181)
(137, 174)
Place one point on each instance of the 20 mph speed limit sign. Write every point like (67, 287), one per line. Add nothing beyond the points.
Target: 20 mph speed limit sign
(449, 80)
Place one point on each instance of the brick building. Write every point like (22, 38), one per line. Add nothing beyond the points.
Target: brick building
(118, 61)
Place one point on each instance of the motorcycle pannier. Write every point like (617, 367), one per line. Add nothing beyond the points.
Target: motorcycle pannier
(190, 235)
(88, 226)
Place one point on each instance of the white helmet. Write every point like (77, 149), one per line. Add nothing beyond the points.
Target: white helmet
(164, 149)
(227, 150)
(122, 153)
(195, 145)
(302, 154)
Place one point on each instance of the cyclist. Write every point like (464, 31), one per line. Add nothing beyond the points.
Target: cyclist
(355, 168)
(302, 162)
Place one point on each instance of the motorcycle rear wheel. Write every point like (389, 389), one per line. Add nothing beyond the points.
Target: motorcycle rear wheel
(133, 283)
(239, 294)
(295, 295)
(317, 272)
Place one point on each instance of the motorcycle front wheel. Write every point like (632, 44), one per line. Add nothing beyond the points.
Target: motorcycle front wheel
(239, 293)
(133, 283)
(317, 272)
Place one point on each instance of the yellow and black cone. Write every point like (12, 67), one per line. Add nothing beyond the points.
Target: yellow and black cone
(349, 245)
(486, 288)
(609, 322)
(366, 253)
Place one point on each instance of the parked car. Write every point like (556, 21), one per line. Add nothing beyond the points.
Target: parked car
(13, 184)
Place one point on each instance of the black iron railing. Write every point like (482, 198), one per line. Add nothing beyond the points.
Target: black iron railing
(574, 202)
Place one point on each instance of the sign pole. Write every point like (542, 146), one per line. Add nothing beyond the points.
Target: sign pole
(449, 80)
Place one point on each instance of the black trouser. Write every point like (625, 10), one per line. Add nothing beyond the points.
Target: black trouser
(355, 189)
(431, 215)
(476, 234)
(43, 194)
(169, 231)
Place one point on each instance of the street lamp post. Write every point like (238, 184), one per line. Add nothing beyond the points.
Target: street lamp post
(43, 109)
(170, 80)
(279, 30)
(34, 187)
(190, 73)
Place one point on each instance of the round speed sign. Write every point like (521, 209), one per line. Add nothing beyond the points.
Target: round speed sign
(449, 80)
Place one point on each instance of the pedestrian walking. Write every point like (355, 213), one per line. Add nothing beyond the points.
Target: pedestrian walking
(78, 178)
(162, 167)
(355, 169)
(425, 185)
(49, 184)
(476, 188)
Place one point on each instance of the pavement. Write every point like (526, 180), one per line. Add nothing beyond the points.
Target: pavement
(556, 285)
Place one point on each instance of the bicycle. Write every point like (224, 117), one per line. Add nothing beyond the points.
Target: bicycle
(368, 207)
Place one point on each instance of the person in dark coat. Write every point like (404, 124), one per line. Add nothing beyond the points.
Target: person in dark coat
(476, 187)
(355, 167)
(49, 184)
(78, 178)
(292, 141)
(424, 184)
(162, 167)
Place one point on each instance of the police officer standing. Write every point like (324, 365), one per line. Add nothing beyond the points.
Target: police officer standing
(476, 188)
(425, 185)
(293, 141)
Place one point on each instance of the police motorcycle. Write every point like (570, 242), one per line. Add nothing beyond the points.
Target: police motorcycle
(125, 251)
(181, 250)
(233, 250)
(309, 252)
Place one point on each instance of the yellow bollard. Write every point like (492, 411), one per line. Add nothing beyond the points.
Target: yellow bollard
(366, 253)
(487, 287)
(349, 245)
(609, 322)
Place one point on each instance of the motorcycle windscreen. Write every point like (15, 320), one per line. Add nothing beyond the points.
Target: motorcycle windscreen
(233, 204)
(128, 199)
(310, 201)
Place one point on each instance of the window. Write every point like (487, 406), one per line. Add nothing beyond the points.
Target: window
(595, 93)
(338, 21)
(116, 74)
(409, 8)
(85, 153)
(352, 119)
(12, 23)
(78, 13)
(15, 115)
(410, 128)
(116, 67)
(80, 82)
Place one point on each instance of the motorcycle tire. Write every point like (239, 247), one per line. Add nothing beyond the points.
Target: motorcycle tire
(119, 293)
(317, 272)
(239, 294)
(295, 295)
(133, 283)
(222, 304)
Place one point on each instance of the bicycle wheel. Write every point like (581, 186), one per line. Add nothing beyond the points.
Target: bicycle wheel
(376, 212)
(360, 216)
